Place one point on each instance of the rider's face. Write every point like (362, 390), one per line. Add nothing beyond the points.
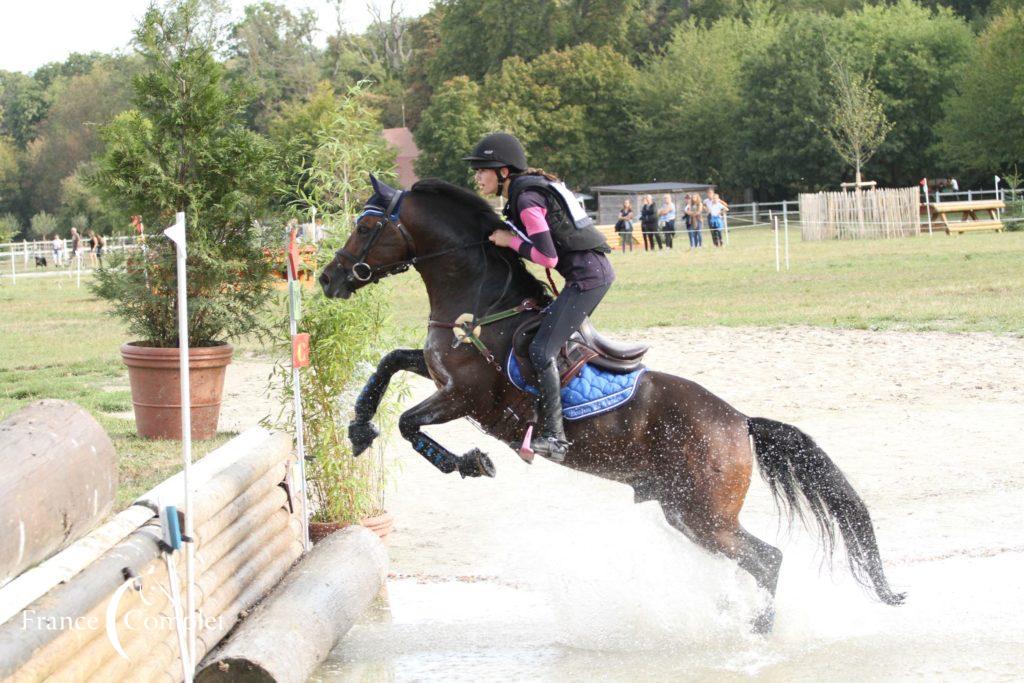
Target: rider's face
(486, 180)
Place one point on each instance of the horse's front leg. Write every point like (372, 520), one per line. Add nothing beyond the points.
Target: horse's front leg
(362, 432)
(442, 407)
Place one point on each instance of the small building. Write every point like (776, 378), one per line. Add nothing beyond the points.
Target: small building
(407, 151)
(610, 197)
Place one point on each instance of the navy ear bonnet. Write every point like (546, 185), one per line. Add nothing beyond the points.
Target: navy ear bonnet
(385, 200)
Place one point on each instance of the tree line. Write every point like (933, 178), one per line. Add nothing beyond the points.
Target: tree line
(740, 93)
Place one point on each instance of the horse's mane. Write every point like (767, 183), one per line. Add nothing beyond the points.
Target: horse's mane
(483, 221)
(487, 222)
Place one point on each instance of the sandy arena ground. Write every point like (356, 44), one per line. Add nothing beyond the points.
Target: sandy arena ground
(929, 427)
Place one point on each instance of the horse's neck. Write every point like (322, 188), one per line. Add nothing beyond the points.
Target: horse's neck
(464, 285)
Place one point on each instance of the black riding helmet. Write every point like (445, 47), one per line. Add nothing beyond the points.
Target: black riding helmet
(496, 150)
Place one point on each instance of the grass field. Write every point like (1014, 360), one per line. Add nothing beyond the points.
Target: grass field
(971, 283)
(57, 342)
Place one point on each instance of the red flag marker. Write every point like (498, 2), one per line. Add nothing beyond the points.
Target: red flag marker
(300, 350)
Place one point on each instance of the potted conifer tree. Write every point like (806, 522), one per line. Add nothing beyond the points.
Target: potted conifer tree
(184, 147)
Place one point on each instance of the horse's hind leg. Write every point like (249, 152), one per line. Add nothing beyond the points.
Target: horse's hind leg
(757, 558)
(362, 432)
(760, 560)
(717, 464)
(442, 407)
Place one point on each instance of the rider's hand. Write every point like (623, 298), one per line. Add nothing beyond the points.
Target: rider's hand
(502, 238)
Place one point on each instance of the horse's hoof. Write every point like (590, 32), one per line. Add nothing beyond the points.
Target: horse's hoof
(361, 434)
(764, 622)
(476, 463)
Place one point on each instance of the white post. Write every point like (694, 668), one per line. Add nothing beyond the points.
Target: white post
(176, 233)
(300, 446)
(775, 229)
(725, 226)
(928, 208)
(785, 222)
(999, 213)
(78, 270)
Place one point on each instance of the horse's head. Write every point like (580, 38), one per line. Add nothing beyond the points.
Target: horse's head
(378, 246)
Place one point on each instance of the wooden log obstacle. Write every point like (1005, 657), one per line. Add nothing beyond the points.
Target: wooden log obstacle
(969, 221)
(296, 627)
(54, 617)
(60, 619)
(58, 478)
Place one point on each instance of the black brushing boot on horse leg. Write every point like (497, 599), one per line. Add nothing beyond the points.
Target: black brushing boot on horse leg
(437, 409)
(362, 432)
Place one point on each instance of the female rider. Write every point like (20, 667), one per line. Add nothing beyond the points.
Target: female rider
(554, 234)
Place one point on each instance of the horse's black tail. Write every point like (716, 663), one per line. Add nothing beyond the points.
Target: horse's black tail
(801, 475)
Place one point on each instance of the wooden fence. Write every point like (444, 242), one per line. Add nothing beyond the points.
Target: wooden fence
(871, 214)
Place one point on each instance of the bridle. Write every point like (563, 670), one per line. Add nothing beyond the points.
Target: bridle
(362, 271)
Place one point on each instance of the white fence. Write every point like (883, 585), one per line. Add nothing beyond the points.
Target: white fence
(41, 259)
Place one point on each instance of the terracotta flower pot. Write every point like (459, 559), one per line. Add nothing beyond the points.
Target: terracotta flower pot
(154, 374)
(381, 525)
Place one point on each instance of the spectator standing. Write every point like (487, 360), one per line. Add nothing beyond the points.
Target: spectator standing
(98, 243)
(649, 223)
(624, 226)
(715, 208)
(76, 246)
(139, 229)
(694, 218)
(667, 212)
(57, 246)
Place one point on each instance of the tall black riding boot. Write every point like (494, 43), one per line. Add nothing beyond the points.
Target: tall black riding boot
(551, 443)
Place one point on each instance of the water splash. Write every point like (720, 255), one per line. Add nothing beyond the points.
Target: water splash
(634, 583)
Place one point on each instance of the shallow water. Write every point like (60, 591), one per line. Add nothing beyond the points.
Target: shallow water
(630, 600)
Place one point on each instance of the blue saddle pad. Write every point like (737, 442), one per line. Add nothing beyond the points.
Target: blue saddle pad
(591, 392)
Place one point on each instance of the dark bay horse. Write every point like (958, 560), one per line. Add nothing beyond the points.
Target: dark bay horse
(675, 442)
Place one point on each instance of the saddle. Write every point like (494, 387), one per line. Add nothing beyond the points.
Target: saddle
(584, 346)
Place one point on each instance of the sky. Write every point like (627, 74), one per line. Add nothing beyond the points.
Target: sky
(35, 32)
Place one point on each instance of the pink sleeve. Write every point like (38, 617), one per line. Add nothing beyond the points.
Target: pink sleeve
(541, 248)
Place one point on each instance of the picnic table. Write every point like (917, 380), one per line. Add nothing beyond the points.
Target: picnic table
(969, 221)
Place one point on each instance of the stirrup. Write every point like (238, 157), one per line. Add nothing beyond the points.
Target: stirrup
(551, 447)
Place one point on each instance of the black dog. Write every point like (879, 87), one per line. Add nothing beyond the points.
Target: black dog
(40, 261)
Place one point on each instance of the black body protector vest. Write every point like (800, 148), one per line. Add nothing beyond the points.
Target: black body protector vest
(571, 228)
